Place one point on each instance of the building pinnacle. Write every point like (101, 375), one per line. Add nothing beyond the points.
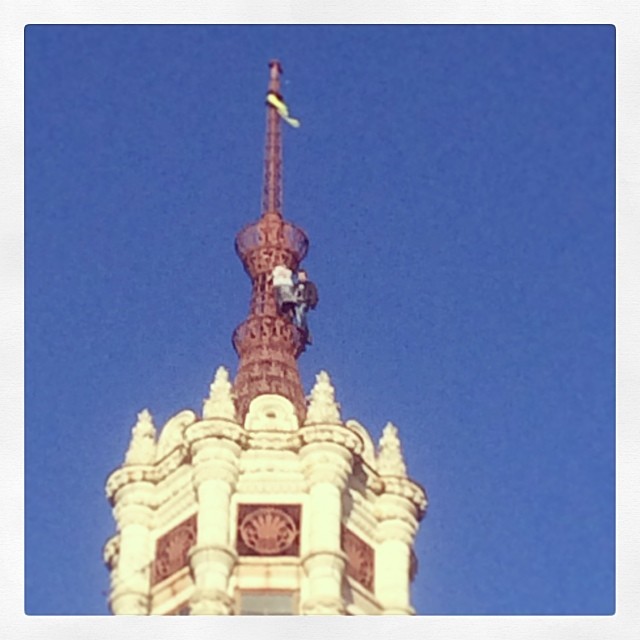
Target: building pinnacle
(390, 458)
(142, 447)
(323, 407)
(220, 404)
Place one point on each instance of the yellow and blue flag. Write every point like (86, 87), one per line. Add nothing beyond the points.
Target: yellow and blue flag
(283, 110)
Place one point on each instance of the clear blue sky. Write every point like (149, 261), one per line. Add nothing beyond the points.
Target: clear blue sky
(458, 188)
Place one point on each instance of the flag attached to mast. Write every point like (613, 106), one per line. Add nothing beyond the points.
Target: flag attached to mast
(281, 107)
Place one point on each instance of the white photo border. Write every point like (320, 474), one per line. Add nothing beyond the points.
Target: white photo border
(623, 15)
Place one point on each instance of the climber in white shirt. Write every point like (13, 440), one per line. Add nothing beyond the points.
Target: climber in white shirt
(283, 286)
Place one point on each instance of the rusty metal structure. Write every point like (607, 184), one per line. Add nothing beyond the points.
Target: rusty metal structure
(267, 342)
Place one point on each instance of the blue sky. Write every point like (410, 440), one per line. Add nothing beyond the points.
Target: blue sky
(458, 188)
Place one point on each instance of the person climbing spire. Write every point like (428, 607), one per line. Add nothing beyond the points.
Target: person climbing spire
(283, 287)
(306, 296)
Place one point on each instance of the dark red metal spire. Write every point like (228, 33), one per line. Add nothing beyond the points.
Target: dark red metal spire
(272, 188)
(268, 343)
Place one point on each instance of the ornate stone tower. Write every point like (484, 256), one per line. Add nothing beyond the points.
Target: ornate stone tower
(269, 502)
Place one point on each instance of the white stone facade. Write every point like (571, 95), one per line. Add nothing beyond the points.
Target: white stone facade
(268, 516)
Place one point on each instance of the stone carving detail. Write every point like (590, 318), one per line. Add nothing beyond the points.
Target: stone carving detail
(322, 403)
(172, 550)
(269, 530)
(215, 428)
(360, 559)
(155, 474)
(390, 459)
(172, 434)
(220, 403)
(405, 488)
(275, 441)
(368, 449)
(335, 433)
(271, 413)
(142, 447)
(111, 552)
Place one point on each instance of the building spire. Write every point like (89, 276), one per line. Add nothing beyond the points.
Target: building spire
(267, 342)
(272, 187)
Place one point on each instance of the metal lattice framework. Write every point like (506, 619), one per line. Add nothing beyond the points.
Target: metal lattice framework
(267, 342)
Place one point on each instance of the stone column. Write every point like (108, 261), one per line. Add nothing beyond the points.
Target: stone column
(131, 492)
(215, 445)
(397, 529)
(400, 506)
(327, 459)
(215, 464)
(130, 579)
(327, 467)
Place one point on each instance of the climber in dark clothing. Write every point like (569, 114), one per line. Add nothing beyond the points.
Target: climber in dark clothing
(306, 295)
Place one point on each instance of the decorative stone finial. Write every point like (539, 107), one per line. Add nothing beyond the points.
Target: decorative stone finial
(390, 459)
(142, 447)
(220, 404)
(322, 404)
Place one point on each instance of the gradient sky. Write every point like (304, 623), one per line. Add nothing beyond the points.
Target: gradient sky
(458, 188)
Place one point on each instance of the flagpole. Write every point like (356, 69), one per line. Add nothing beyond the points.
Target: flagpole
(272, 188)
